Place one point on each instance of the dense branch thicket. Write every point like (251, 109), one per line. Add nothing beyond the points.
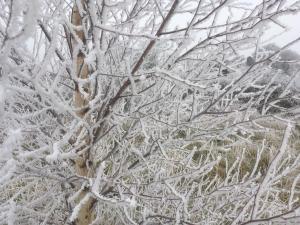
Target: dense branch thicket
(147, 112)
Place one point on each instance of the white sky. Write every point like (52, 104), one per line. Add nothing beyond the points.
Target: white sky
(293, 24)
(275, 33)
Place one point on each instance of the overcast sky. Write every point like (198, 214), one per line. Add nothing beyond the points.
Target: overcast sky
(275, 33)
(293, 23)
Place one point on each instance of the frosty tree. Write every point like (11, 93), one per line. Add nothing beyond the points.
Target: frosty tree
(147, 112)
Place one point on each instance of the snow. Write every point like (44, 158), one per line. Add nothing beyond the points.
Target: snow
(132, 202)
(55, 153)
(2, 95)
(11, 142)
(175, 175)
(143, 77)
(7, 170)
(97, 182)
(78, 207)
(90, 59)
(11, 216)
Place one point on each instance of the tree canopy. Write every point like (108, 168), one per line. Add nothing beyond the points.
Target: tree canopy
(147, 112)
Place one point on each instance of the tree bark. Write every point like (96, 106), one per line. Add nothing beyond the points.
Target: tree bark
(83, 168)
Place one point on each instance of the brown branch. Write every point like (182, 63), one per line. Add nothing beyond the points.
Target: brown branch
(48, 36)
(124, 86)
(198, 21)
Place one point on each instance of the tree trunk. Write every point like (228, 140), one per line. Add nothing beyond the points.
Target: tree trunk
(84, 201)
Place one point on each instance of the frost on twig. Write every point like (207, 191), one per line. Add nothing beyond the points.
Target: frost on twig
(147, 112)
